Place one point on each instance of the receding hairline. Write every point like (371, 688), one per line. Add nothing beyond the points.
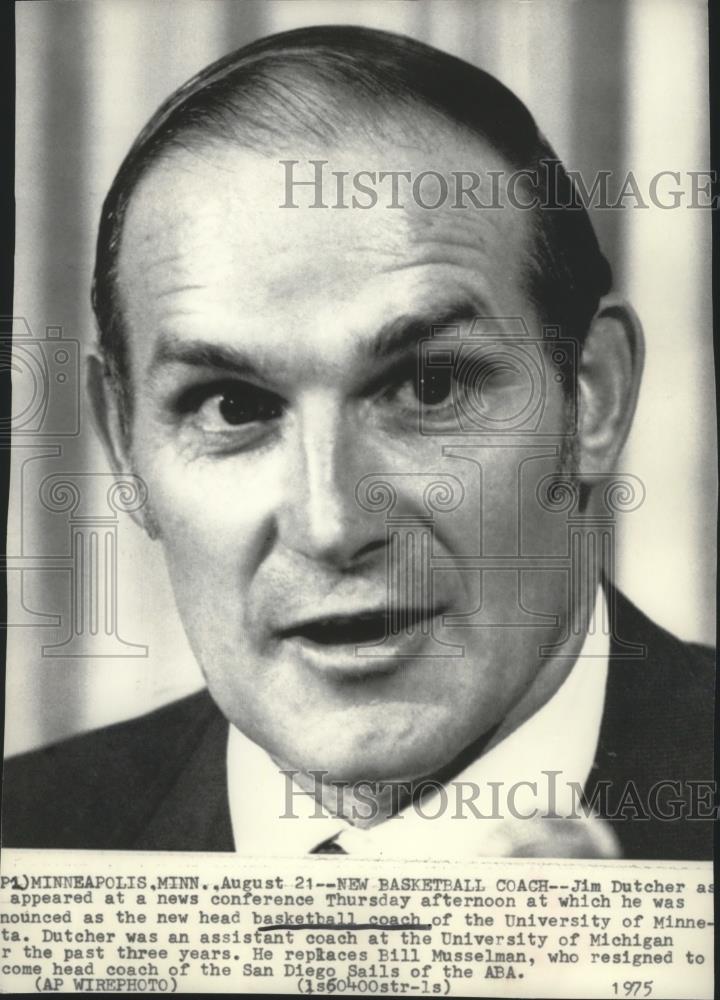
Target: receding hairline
(321, 80)
(473, 153)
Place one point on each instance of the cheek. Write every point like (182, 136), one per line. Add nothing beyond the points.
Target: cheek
(213, 517)
(500, 512)
(502, 519)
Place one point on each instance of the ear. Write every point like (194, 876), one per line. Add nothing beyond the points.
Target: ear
(610, 372)
(105, 405)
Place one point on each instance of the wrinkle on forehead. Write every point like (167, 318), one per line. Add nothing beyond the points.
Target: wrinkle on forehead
(192, 232)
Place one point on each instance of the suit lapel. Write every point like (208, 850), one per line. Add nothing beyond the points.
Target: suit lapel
(652, 732)
(192, 812)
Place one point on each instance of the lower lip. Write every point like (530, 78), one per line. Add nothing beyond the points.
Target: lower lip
(361, 660)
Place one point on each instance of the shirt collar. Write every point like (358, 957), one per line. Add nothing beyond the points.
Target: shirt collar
(272, 817)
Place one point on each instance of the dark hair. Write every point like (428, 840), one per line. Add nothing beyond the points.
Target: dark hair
(321, 81)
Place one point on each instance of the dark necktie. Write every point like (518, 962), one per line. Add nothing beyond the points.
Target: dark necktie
(329, 846)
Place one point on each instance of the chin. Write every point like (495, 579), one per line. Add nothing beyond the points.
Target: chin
(383, 760)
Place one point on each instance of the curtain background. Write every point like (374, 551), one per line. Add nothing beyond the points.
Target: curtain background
(615, 84)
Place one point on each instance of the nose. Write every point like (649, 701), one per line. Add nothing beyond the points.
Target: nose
(320, 517)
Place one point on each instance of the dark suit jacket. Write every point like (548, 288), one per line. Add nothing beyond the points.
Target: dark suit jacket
(158, 782)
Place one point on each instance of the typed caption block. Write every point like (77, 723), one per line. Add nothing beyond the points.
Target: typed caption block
(91, 922)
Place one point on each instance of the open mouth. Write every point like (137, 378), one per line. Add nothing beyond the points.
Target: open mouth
(356, 629)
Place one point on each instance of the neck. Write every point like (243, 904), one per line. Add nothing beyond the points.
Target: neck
(552, 672)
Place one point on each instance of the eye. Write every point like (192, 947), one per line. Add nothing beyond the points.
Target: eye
(220, 406)
(431, 389)
(434, 386)
(428, 387)
(442, 394)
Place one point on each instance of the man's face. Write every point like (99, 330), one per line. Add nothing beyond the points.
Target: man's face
(274, 366)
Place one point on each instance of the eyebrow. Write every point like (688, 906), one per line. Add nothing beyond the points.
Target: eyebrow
(395, 337)
(173, 350)
(408, 330)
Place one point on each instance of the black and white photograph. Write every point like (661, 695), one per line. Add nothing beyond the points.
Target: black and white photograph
(363, 491)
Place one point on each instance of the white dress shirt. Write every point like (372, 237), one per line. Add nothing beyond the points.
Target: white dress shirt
(561, 736)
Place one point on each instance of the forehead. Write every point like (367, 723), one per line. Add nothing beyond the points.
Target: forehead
(209, 248)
